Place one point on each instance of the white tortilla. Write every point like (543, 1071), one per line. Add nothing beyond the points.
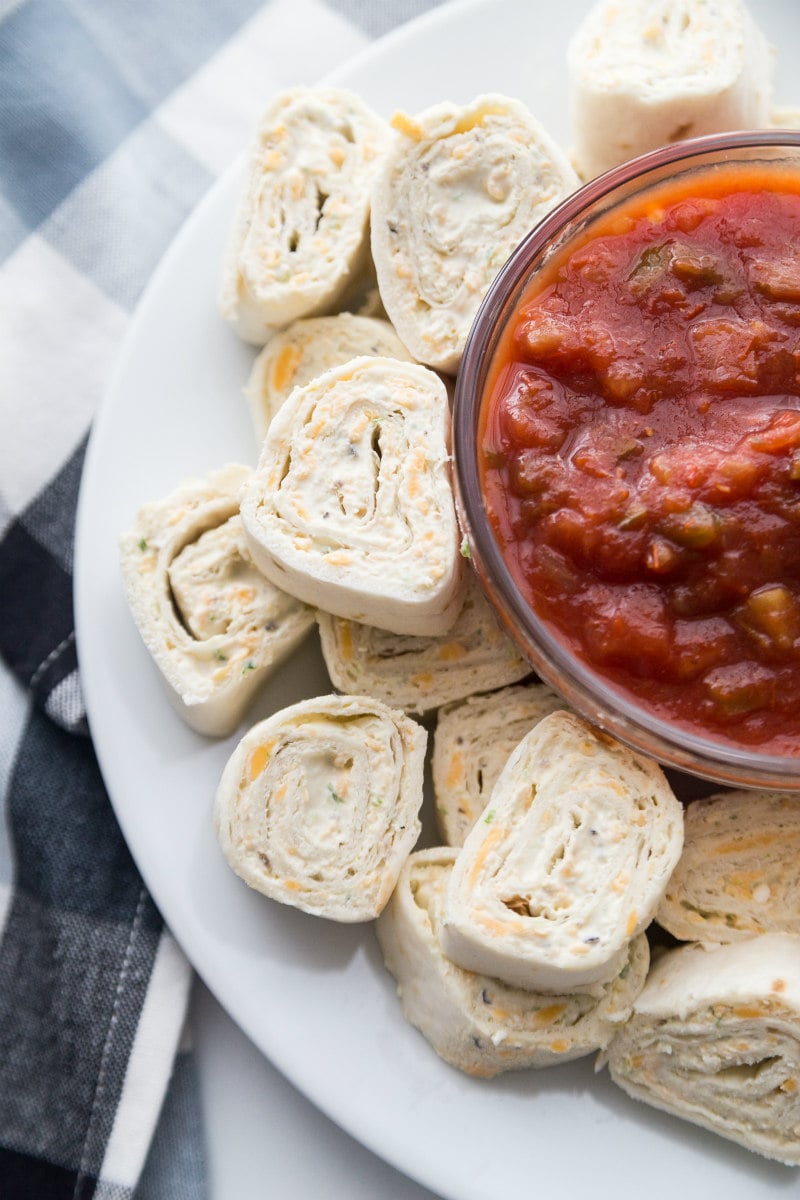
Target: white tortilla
(739, 873)
(351, 508)
(305, 350)
(567, 864)
(422, 673)
(644, 73)
(460, 188)
(318, 805)
(473, 741)
(300, 237)
(478, 1024)
(715, 1039)
(215, 627)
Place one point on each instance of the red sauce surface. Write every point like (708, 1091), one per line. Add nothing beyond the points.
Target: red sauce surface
(640, 454)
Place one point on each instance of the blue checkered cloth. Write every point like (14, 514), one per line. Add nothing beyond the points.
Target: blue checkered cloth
(114, 119)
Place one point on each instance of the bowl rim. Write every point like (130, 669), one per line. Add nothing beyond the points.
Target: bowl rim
(584, 688)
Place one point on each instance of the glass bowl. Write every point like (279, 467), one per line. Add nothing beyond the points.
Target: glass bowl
(583, 687)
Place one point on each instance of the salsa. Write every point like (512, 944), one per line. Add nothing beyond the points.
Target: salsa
(640, 453)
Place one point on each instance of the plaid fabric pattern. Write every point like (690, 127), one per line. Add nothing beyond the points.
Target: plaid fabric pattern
(114, 119)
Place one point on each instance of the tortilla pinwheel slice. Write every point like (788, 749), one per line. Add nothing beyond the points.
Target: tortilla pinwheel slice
(715, 1039)
(351, 508)
(739, 873)
(478, 1024)
(644, 73)
(215, 627)
(418, 674)
(318, 805)
(473, 741)
(566, 865)
(300, 239)
(305, 350)
(459, 189)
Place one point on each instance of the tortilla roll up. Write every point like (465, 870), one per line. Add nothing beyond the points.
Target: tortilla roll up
(478, 1024)
(738, 875)
(715, 1040)
(419, 674)
(318, 805)
(351, 508)
(644, 73)
(214, 626)
(459, 189)
(305, 350)
(300, 237)
(472, 742)
(567, 864)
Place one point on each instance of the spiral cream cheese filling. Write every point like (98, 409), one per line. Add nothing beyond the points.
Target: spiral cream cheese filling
(715, 1039)
(644, 73)
(318, 805)
(418, 673)
(300, 236)
(215, 627)
(351, 508)
(473, 741)
(567, 864)
(460, 188)
(739, 873)
(308, 348)
(478, 1024)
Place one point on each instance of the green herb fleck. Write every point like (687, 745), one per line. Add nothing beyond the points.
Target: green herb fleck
(248, 666)
(466, 552)
(487, 820)
(378, 801)
(220, 657)
(142, 543)
(334, 795)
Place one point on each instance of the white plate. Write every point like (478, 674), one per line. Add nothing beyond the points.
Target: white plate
(312, 995)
